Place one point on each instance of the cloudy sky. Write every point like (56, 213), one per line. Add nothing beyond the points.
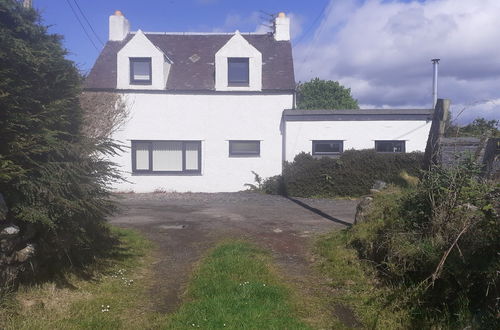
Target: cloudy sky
(381, 49)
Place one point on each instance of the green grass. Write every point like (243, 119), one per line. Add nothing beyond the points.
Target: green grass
(76, 303)
(355, 285)
(236, 288)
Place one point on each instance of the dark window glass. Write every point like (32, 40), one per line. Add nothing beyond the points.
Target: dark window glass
(140, 70)
(327, 147)
(166, 156)
(237, 70)
(244, 148)
(390, 146)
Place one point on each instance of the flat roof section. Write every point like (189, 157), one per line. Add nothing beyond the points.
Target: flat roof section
(358, 114)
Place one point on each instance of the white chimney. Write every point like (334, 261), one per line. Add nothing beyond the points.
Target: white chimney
(282, 27)
(119, 26)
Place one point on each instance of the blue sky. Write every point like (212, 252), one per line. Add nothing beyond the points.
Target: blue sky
(164, 15)
(381, 49)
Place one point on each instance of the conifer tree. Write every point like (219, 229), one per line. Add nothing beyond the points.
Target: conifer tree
(53, 179)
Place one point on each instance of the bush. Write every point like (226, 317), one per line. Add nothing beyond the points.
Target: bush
(352, 174)
(52, 177)
(440, 241)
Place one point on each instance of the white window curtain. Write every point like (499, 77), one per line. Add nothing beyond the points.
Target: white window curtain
(167, 156)
(142, 156)
(192, 161)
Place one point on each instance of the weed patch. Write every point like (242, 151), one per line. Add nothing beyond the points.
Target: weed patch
(353, 284)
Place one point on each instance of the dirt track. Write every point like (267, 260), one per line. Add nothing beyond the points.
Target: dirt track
(184, 226)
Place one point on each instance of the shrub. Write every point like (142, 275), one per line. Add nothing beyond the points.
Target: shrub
(440, 241)
(352, 174)
(52, 177)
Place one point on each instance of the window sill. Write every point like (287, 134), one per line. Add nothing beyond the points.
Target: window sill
(238, 85)
(166, 173)
(139, 82)
(244, 156)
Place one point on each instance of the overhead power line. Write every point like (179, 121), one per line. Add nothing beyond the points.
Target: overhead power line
(321, 13)
(81, 24)
(86, 20)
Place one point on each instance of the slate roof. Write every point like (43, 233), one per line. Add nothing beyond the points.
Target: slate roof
(186, 75)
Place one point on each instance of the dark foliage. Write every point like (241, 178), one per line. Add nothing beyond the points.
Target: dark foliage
(479, 128)
(439, 242)
(53, 179)
(352, 174)
(324, 94)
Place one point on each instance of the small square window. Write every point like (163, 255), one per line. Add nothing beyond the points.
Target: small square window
(244, 148)
(330, 147)
(140, 70)
(238, 71)
(390, 146)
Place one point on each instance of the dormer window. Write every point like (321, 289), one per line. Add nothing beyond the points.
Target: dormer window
(238, 71)
(140, 71)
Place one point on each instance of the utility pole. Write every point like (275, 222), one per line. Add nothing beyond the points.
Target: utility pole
(27, 3)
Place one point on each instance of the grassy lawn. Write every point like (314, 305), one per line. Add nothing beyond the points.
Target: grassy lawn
(235, 287)
(354, 285)
(76, 302)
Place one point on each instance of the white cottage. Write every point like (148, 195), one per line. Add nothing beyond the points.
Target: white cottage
(207, 109)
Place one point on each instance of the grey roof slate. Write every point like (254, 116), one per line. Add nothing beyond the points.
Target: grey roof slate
(186, 75)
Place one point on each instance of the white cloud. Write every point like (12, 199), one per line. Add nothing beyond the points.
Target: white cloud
(382, 50)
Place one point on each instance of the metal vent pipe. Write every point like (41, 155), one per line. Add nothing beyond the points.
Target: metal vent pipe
(435, 64)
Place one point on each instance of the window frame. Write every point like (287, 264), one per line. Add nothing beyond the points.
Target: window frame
(150, 155)
(133, 60)
(238, 83)
(319, 153)
(244, 154)
(403, 149)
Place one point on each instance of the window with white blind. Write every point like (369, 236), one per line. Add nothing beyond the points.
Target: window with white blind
(174, 157)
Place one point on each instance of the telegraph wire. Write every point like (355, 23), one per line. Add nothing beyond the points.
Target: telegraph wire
(321, 13)
(90, 25)
(81, 24)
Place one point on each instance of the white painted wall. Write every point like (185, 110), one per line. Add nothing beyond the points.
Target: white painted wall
(237, 46)
(140, 46)
(356, 134)
(214, 119)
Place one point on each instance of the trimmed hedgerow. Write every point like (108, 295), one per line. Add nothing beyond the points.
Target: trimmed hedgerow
(352, 174)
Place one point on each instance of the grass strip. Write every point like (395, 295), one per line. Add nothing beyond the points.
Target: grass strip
(108, 297)
(236, 288)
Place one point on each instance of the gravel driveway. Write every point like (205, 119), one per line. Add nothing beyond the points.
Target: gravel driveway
(185, 225)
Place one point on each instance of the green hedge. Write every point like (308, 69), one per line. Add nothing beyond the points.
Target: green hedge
(352, 174)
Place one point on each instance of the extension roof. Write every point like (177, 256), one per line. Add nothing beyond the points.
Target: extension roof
(193, 57)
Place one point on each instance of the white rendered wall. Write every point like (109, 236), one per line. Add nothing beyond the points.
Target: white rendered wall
(355, 134)
(214, 120)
